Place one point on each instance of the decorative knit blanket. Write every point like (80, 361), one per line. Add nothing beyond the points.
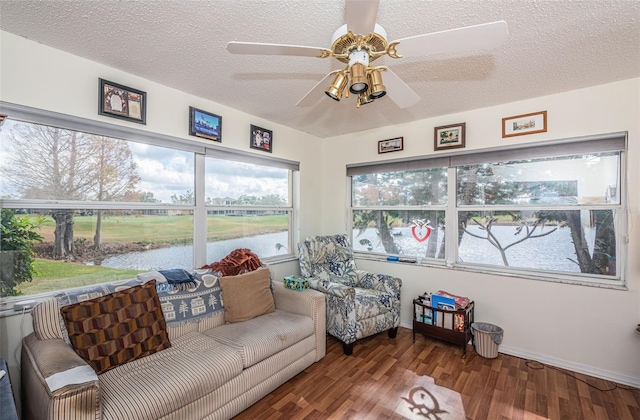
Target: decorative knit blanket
(238, 261)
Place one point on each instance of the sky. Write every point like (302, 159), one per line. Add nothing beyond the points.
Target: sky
(165, 172)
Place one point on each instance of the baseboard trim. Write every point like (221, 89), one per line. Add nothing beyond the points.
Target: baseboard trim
(573, 366)
(564, 364)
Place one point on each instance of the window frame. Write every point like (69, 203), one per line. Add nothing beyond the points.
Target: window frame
(199, 150)
(592, 144)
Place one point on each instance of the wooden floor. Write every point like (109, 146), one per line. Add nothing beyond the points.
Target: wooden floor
(394, 378)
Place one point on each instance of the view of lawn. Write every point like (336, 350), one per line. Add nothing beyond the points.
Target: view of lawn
(172, 229)
(51, 275)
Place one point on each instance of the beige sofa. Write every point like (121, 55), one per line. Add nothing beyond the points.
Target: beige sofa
(212, 370)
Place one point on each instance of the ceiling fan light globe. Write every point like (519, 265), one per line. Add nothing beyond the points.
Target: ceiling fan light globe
(378, 89)
(332, 95)
(358, 87)
(359, 82)
(336, 88)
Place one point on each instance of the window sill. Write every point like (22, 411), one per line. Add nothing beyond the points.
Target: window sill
(563, 279)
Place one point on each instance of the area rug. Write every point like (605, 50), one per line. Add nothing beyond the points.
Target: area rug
(426, 400)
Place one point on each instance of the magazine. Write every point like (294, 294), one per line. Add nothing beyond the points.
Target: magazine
(446, 303)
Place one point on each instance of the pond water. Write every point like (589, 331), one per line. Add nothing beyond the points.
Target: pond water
(551, 252)
(182, 256)
(554, 251)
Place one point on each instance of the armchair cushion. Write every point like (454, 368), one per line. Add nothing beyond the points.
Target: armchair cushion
(370, 303)
(379, 282)
(331, 257)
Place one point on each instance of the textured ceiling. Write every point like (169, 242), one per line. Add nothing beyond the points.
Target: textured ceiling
(552, 46)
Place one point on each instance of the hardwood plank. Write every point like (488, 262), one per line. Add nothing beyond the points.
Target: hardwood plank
(376, 382)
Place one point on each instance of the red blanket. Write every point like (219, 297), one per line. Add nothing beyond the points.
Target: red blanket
(238, 261)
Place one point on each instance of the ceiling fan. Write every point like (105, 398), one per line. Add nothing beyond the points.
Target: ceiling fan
(361, 41)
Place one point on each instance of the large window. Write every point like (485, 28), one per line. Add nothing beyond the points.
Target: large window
(101, 208)
(247, 203)
(552, 212)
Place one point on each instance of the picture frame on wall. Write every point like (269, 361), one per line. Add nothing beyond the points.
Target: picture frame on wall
(520, 125)
(449, 136)
(205, 124)
(261, 139)
(391, 145)
(119, 101)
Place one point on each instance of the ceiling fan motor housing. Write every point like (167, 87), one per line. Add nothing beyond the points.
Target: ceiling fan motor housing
(344, 41)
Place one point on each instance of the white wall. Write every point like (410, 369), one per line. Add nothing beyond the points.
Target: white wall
(588, 329)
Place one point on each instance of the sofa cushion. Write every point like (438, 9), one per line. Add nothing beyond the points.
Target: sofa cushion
(157, 385)
(111, 330)
(263, 336)
(247, 295)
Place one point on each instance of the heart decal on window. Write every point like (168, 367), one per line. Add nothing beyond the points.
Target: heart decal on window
(421, 230)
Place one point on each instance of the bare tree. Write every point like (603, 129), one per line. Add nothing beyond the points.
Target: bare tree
(116, 175)
(52, 164)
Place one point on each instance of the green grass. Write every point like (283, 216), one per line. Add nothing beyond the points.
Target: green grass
(58, 275)
(167, 229)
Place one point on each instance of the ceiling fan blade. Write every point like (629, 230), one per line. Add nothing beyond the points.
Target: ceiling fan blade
(316, 92)
(274, 49)
(466, 39)
(399, 91)
(361, 15)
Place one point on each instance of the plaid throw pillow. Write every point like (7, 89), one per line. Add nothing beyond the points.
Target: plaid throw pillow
(117, 328)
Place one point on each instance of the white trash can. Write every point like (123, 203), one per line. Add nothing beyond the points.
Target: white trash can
(486, 337)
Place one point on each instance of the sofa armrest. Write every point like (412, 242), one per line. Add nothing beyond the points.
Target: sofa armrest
(56, 382)
(380, 282)
(309, 303)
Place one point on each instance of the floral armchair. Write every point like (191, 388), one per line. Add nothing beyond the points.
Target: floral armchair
(359, 304)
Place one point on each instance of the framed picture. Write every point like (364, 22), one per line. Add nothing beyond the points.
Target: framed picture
(449, 136)
(391, 145)
(205, 124)
(524, 124)
(122, 102)
(261, 139)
